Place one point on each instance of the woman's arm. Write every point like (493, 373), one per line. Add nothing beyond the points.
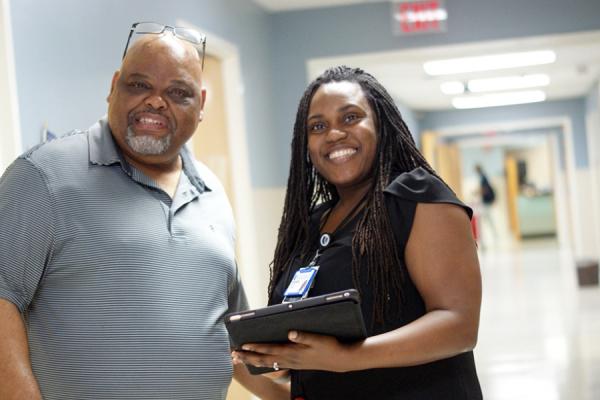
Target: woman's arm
(442, 261)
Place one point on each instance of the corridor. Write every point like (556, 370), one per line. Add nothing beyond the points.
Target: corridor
(539, 337)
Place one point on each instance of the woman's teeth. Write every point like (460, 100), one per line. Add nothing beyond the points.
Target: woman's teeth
(341, 153)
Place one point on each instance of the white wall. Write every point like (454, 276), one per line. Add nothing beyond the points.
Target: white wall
(268, 205)
(537, 159)
(588, 209)
(593, 137)
(10, 132)
(574, 204)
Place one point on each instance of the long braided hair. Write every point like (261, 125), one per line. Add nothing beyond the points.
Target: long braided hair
(373, 241)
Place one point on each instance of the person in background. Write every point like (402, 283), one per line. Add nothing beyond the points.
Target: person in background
(364, 205)
(487, 197)
(117, 249)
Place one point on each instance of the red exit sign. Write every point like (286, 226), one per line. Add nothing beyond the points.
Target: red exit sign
(420, 16)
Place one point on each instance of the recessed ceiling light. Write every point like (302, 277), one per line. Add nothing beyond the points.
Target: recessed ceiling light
(452, 87)
(508, 83)
(489, 63)
(499, 99)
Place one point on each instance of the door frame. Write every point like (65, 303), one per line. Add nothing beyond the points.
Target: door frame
(242, 203)
(592, 124)
(565, 185)
(10, 140)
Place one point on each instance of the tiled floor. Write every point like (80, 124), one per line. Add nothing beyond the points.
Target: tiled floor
(539, 336)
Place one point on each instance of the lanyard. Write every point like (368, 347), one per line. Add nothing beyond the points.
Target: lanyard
(325, 237)
(303, 280)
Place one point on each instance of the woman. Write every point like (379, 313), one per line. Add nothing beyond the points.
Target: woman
(396, 233)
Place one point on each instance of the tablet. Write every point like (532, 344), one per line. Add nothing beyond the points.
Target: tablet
(336, 314)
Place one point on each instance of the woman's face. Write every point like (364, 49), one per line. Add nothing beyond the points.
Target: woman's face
(342, 136)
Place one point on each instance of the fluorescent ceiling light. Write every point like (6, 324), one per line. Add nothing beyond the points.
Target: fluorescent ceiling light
(508, 83)
(499, 99)
(488, 63)
(452, 87)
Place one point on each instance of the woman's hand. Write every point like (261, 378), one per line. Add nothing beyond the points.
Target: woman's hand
(307, 351)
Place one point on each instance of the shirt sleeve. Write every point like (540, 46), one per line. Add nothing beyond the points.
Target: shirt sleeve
(237, 296)
(420, 186)
(26, 231)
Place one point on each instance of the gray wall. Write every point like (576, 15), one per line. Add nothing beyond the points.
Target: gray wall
(67, 50)
(411, 118)
(592, 102)
(302, 35)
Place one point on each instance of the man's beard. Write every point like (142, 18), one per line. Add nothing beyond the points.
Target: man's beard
(146, 144)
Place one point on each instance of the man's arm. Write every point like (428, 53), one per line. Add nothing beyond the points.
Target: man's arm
(26, 240)
(261, 386)
(16, 377)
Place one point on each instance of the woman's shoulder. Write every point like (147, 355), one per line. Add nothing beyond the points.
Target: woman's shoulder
(421, 186)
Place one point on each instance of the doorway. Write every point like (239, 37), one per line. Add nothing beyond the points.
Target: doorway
(210, 143)
(221, 143)
(567, 220)
(10, 140)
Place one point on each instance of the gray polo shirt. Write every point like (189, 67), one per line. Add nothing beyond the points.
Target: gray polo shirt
(123, 290)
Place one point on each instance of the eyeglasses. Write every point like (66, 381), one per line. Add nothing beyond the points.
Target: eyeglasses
(154, 28)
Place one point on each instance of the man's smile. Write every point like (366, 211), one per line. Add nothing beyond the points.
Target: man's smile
(150, 123)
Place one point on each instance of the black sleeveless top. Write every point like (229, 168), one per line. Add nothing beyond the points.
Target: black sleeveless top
(451, 378)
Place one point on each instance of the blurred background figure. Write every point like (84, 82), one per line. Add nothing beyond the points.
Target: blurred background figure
(486, 199)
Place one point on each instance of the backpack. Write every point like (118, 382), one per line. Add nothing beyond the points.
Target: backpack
(487, 192)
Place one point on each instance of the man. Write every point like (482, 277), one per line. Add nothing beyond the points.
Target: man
(117, 248)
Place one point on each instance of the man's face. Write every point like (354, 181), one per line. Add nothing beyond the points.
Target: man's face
(156, 99)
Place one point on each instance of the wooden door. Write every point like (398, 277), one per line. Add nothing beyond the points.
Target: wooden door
(444, 158)
(512, 191)
(210, 142)
(449, 166)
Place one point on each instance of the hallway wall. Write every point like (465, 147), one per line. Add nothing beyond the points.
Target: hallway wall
(10, 142)
(592, 119)
(67, 50)
(573, 109)
(367, 28)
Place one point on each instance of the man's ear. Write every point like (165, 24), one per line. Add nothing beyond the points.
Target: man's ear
(203, 99)
(113, 84)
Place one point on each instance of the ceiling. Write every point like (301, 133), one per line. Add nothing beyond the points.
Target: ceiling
(573, 74)
(288, 5)
(576, 69)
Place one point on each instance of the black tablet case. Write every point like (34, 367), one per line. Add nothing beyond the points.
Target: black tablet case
(336, 314)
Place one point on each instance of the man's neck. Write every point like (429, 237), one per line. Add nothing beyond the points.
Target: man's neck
(166, 175)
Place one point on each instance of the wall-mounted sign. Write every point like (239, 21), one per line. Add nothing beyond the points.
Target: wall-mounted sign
(418, 16)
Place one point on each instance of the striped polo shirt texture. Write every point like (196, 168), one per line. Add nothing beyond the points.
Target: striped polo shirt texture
(123, 289)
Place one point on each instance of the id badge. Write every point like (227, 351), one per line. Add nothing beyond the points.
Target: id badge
(301, 283)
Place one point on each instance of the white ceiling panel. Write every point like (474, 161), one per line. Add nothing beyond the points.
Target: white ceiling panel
(288, 5)
(575, 71)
